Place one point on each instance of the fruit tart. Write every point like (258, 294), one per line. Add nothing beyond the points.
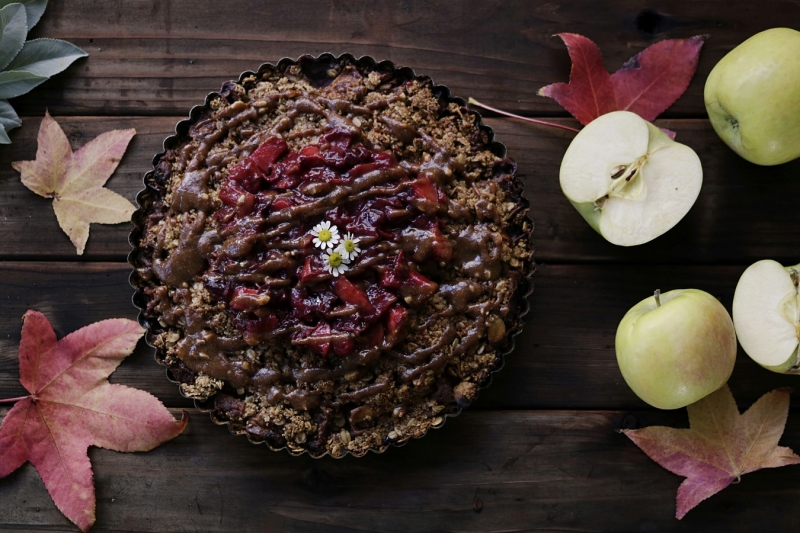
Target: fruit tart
(332, 255)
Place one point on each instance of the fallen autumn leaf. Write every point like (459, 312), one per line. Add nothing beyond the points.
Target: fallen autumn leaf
(647, 84)
(73, 406)
(721, 445)
(75, 180)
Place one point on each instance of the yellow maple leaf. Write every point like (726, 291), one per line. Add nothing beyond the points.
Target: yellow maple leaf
(75, 181)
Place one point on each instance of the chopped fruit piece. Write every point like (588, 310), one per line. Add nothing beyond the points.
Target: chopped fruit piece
(424, 189)
(300, 304)
(257, 330)
(289, 167)
(342, 160)
(319, 339)
(225, 214)
(229, 193)
(384, 159)
(321, 301)
(246, 175)
(394, 275)
(322, 174)
(354, 323)
(381, 300)
(245, 204)
(278, 295)
(364, 168)
(353, 295)
(310, 151)
(416, 289)
(344, 346)
(310, 157)
(281, 203)
(390, 279)
(268, 153)
(218, 286)
(426, 243)
(287, 182)
(396, 319)
(246, 299)
(427, 196)
(313, 270)
(373, 337)
(233, 195)
(442, 195)
(337, 138)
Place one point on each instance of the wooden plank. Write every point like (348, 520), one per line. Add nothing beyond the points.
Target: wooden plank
(488, 472)
(564, 358)
(163, 57)
(744, 212)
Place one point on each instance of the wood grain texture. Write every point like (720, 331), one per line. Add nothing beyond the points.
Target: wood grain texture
(500, 466)
(716, 230)
(483, 472)
(564, 357)
(161, 57)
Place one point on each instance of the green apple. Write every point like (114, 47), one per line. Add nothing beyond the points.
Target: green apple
(628, 179)
(766, 314)
(676, 348)
(753, 97)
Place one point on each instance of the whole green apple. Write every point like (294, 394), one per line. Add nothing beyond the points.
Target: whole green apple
(753, 97)
(676, 348)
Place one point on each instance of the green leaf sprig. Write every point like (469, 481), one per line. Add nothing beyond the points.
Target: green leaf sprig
(26, 64)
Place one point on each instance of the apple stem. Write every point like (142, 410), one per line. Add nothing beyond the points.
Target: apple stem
(657, 296)
(14, 400)
(476, 103)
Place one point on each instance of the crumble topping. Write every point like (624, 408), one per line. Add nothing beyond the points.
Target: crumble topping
(245, 311)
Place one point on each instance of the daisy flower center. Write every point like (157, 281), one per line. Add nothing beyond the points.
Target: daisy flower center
(349, 246)
(335, 260)
(324, 235)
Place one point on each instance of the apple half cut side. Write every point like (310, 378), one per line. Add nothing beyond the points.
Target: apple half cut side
(766, 315)
(628, 179)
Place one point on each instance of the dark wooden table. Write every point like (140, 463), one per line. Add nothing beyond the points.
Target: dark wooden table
(539, 450)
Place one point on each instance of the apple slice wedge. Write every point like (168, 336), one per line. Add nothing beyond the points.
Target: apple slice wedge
(766, 315)
(628, 179)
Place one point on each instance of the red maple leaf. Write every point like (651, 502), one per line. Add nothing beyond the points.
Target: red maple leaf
(721, 445)
(72, 406)
(647, 84)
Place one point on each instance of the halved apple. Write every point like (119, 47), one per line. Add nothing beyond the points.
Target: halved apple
(628, 179)
(766, 315)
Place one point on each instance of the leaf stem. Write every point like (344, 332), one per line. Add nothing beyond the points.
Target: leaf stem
(14, 400)
(476, 103)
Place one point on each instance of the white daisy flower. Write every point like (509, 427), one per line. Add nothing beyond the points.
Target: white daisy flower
(335, 263)
(348, 248)
(326, 235)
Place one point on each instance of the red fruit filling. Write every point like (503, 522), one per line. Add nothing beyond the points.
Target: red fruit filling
(273, 279)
